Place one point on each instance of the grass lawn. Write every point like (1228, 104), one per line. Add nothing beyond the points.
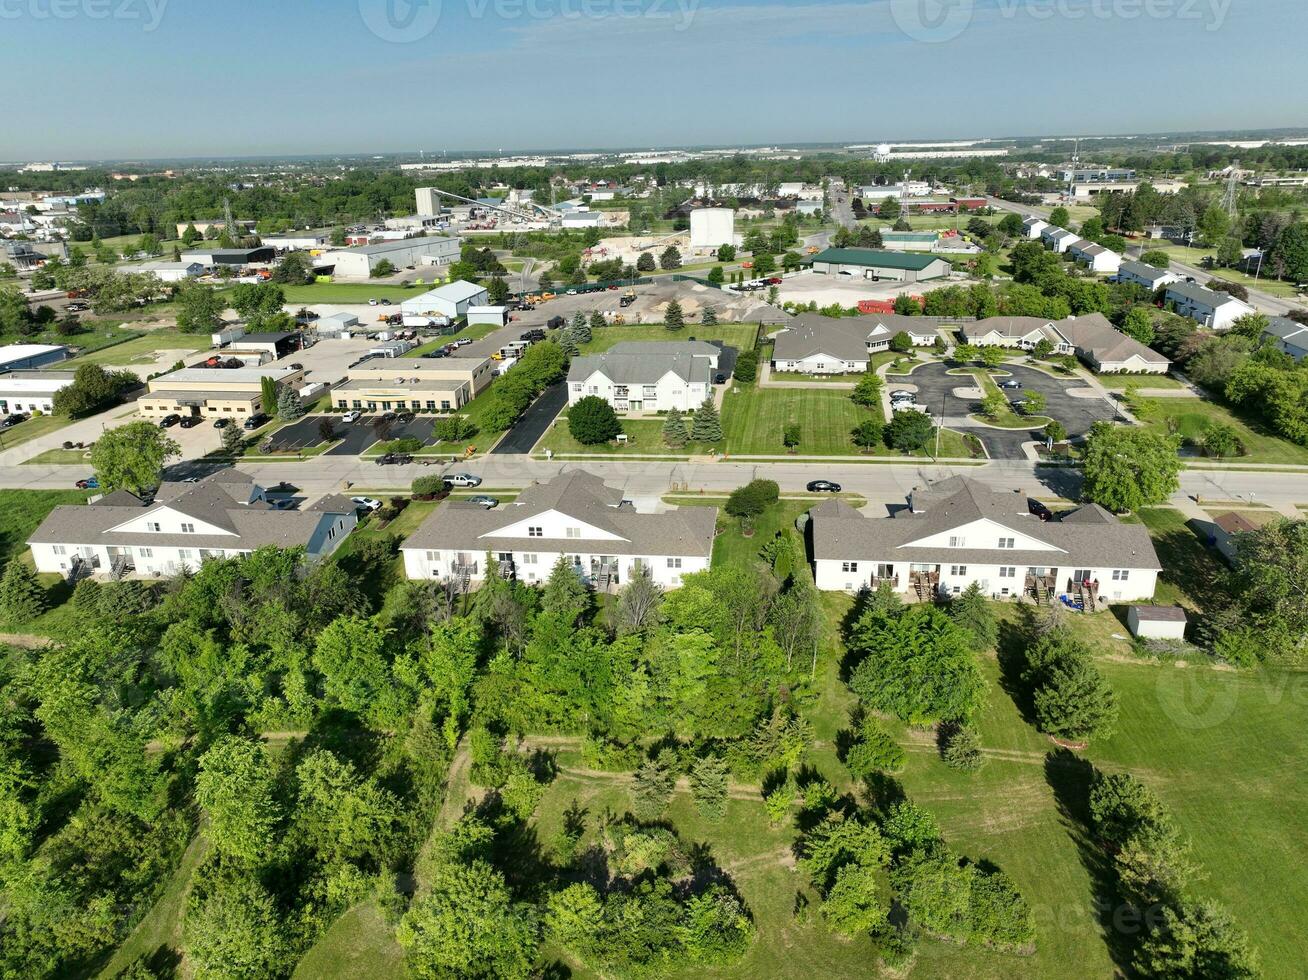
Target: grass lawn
(1120, 382)
(60, 457)
(1192, 414)
(41, 425)
(645, 438)
(142, 346)
(358, 292)
(738, 335)
(1196, 257)
(21, 511)
(1192, 573)
(358, 944)
(752, 420)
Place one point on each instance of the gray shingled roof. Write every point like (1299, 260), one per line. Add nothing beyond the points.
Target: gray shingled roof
(687, 532)
(218, 500)
(695, 348)
(1094, 334)
(635, 369)
(1289, 331)
(1202, 294)
(808, 334)
(959, 501)
(1006, 326)
(1143, 270)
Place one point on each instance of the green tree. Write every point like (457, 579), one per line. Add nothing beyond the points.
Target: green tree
(717, 275)
(675, 433)
(652, 786)
(233, 440)
(790, 435)
(868, 391)
(972, 611)
(910, 431)
(21, 597)
(706, 427)
(1157, 258)
(726, 253)
(294, 269)
(645, 262)
(565, 594)
(132, 457)
(963, 749)
(236, 789)
(233, 928)
(467, 925)
(592, 421)
(708, 786)
(868, 434)
(1214, 224)
(918, 666)
(674, 319)
(1139, 324)
(994, 405)
(1059, 217)
(709, 317)
(1055, 430)
(497, 291)
(905, 305)
(1072, 698)
(1033, 402)
(764, 264)
(455, 428)
(671, 258)
(991, 357)
(383, 269)
(1126, 469)
(289, 406)
(889, 208)
(1193, 940)
(753, 499)
(199, 309)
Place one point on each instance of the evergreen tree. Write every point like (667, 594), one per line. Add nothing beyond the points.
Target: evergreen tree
(709, 317)
(597, 321)
(674, 429)
(674, 319)
(652, 788)
(707, 426)
(971, 611)
(233, 440)
(21, 597)
(568, 341)
(963, 750)
(708, 786)
(289, 406)
(565, 593)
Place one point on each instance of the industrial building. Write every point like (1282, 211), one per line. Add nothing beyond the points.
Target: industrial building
(164, 271)
(31, 391)
(450, 301)
(711, 228)
(235, 393)
(876, 264)
(406, 253)
(17, 357)
(211, 257)
(415, 383)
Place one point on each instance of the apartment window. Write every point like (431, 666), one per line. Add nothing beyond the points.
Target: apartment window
(849, 566)
(433, 556)
(1009, 572)
(885, 571)
(184, 554)
(535, 532)
(1121, 574)
(531, 559)
(674, 563)
(957, 569)
(145, 552)
(577, 388)
(594, 389)
(188, 528)
(1007, 544)
(957, 542)
(59, 550)
(152, 526)
(573, 532)
(651, 392)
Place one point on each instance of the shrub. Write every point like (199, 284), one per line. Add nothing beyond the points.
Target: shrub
(753, 498)
(456, 428)
(592, 421)
(963, 749)
(425, 486)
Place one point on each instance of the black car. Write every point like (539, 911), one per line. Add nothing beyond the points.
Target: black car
(1039, 510)
(405, 417)
(221, 423)
(254, 421)
(12, 420)
(190, 421)
(394, 459)
(720, 379)
(168, 421)
(389, 416)
(823, 486)
(1011, 383)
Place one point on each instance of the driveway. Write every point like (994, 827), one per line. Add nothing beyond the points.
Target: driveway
(527, 432)
(936, 387)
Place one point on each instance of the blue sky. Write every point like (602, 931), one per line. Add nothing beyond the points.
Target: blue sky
(161, 78)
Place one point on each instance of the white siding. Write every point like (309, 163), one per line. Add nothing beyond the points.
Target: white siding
(659, 395)
(533, 567)
(833, 576)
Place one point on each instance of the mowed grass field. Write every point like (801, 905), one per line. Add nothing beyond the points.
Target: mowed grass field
(142, 347)
(738, 335)
(22, 511)
(1192, 414)
(359, 292)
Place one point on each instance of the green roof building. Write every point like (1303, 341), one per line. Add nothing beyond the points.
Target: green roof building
(869, 263)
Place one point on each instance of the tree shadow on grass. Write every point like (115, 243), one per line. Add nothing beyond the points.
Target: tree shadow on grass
(1071, 777)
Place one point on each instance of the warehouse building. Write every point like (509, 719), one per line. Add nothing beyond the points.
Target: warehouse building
(234, 393)
(31, 391)
(870, 263)
(414, 383)
(451, 301)
(211, 257)
(164, 271)
(17, 357)
(711, 228)
(405, 253)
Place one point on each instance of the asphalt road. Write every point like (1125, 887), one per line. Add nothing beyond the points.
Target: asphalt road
(527, 432)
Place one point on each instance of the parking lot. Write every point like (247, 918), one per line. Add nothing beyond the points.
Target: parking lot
(355, 437)
(935, 390)
(327, 361)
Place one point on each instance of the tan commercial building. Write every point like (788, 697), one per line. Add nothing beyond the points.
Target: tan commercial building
(214, 392)
(417, 384)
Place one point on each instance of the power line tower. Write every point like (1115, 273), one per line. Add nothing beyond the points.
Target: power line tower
(1232, 188)
(903, 193)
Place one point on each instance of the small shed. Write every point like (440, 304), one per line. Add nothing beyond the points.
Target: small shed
(1156, 622)
(494, 315)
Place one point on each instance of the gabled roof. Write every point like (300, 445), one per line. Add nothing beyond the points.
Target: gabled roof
(1288, 331)
(629, 369)
(1143, 270)
(220, 501)
(695, 348)
(1080, 540)
(1006, 326)
(844, 338)
(687, 532)
(1094, 334)
(1233, 523)
(1202, 294)
(876, 258)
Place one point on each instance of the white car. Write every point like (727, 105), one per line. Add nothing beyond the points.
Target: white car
(351, 416)
(366, 503)
(372, 302)
(910, 407)
(463, 480)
